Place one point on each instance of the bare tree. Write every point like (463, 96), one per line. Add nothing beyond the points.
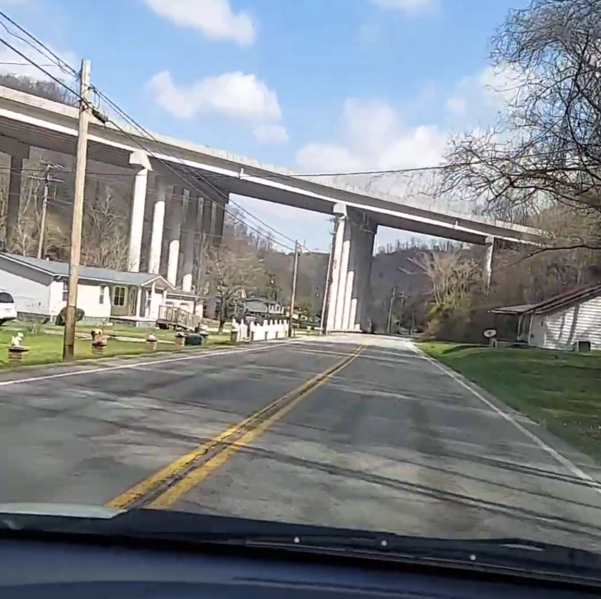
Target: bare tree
(232, 270)
(104, 231)
(547, 148)
(27, 231)
(454, 279)
(49, 90)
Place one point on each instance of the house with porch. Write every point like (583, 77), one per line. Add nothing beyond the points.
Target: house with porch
(568, 321)
(39, 288)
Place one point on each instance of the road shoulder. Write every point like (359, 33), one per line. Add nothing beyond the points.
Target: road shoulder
(25, 374)
(581, 464)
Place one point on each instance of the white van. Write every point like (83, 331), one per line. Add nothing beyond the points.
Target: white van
(8, 309)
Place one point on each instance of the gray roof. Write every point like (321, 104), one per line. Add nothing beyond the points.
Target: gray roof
(88, 273)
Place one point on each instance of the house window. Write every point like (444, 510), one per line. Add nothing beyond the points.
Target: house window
(65, 291)
(101, 296)
(119, 296)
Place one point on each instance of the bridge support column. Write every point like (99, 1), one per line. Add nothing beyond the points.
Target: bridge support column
(343, 276)
(173, 234)
(158, 225)
(357, 297)
(189, 236)
(219, 216)
(488, 261)
(358, 272)
(136, 227)
(333, 284)
(18, 152)
(352, 275)
(365, 289)
(207, 244)
(206, 223)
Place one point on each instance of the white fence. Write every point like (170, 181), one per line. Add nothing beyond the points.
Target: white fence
(254, 331)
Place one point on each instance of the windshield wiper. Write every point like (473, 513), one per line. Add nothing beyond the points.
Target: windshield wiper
(517, 554)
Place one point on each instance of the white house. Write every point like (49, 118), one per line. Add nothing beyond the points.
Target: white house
(560, 322)
(39, 288)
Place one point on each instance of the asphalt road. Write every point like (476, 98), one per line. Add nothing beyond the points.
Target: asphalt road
(389, 442)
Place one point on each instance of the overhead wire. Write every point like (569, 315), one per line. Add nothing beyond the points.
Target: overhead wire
(61, 64)
(69, 70)
(58, 61)
(72, 72)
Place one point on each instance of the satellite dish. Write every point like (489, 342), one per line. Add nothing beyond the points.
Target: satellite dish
(490, 333)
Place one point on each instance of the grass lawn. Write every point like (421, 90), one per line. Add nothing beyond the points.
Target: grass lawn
(47, 349)
(561, 391)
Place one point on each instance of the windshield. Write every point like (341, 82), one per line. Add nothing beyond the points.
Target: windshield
(395, 329)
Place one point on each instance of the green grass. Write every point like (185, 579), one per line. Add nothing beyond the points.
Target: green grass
(561, 391)
(47, 349)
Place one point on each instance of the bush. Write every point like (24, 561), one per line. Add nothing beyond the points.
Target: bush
(461, 327)
(60, 319)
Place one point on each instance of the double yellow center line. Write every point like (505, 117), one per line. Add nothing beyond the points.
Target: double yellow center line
(165, 487)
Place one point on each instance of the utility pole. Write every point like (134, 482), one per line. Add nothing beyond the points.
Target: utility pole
(326, 293)
(294, 278)
(43, 217)
(78, 196)
(390, 309)
(46, 192)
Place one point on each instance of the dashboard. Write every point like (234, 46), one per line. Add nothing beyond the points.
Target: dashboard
(33, 568)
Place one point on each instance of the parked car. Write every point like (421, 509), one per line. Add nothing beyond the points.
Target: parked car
(8, 309)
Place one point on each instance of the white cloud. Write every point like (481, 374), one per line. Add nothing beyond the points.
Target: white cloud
(233, 95)
(271, 134)
(215, 19)
(485, 93)
(409, 6)
(373, 136)
(457, 105)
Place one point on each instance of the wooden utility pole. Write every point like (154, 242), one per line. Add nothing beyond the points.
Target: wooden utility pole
(392, 298)
(294, 279)
(47, 178)
(78, 197)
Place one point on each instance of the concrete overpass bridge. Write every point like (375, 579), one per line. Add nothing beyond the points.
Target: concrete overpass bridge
(199, 172)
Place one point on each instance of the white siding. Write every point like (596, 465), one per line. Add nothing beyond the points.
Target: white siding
(56, 298)
(30, 289)
(88, 299)
(581, 322)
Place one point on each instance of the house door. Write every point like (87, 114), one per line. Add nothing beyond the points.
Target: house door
(144, 303)
(132, 301)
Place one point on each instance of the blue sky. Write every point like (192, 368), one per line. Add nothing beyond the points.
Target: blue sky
(314, 85)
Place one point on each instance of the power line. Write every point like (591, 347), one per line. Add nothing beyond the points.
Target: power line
(22, 64)
(67, 204)
(65, 67)
(147, 134)
(194, 174)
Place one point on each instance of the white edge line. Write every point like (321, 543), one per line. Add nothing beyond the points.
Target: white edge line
(506, 416)
(130, 366)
